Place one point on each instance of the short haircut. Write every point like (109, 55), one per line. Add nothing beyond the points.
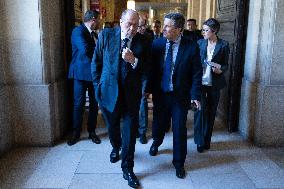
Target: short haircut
(213, 24)
(128, 11)
(91, 14)
(178, 19)
(191, 20)
(141, 18)
(157, 22)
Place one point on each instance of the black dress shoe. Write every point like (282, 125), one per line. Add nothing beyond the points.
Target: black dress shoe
(94, 137)
(180, 173)
(153, 150)
(143, 139)
(137, 135)
(131, 178)
(74, 139)
(114, 155)
(207, 146)
(200, 148)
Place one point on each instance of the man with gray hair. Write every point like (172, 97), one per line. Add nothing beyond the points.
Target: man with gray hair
(176, 84)
(119, 61)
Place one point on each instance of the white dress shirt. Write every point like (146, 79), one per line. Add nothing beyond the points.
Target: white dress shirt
(175, 51)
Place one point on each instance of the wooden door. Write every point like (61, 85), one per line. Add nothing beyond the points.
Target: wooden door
(233, 15)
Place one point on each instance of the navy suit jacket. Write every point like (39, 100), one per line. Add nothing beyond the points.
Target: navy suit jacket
(195, 36)
(187, 70)
(220, 56)
(105, 69)
(83, 46)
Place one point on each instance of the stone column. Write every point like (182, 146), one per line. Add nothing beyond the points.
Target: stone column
(32, 59)
(194, 10)
(262, 108)
(202, 12)
(85, 6)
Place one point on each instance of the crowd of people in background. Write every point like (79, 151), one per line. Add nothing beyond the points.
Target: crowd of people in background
(181, 68)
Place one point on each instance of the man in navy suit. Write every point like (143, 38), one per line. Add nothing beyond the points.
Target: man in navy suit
(83, 45)
(156, 33)
(176, 83)
(192, 32)
(119, 61)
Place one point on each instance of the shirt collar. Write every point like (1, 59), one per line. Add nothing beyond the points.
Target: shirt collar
(89, 29)
(123, 36)
(156, 33)
(177, 41)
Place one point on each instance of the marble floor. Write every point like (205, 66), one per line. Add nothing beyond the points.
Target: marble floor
(231, 163)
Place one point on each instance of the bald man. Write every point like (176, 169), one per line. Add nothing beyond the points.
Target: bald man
(119, 61)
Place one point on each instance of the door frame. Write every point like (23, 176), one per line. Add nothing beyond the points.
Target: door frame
(237, 67)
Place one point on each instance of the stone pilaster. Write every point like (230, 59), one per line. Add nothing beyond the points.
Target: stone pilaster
(262, 107)
(32, 60)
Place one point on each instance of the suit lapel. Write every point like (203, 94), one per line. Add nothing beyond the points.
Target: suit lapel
(116, 43)
(204, 50)
(217, 48)
(86, 31)
(133, 45)
(163, 46)
(180, 53)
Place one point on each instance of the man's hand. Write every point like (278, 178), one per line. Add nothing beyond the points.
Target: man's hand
(197, 103)
(128, 56)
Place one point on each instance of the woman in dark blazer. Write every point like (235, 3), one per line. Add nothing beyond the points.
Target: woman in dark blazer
(214, 53)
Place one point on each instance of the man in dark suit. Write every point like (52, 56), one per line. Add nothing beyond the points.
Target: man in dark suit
(83, 45)
(117, 67)
(143, 111)
(192, 32)
(156, 33)
(175, 84)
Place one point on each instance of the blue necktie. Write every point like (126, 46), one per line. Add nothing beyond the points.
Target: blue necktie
(123, 63)
(168, 68)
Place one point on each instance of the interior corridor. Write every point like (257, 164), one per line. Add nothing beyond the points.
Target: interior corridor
(231, 163)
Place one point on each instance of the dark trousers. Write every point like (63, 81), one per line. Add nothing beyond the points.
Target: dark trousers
(156, 102)
(168, 107)
(80, 88)
(204, 119)
(124, 137)
(143, 112)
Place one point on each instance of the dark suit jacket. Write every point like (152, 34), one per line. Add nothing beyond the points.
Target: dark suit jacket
(105, 69)
(152, 35)
(195, 36)
(187, 70)
(220, 56)
(83, 46)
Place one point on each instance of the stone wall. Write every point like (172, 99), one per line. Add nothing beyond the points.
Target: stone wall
(262, 107)
(32, 72)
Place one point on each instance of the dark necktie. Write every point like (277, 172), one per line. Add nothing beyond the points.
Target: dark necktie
(124, 43)
(168, 68)
(94, 35)
(124, 68)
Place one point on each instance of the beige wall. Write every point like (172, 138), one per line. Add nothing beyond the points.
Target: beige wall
(33, 72)
(262, 107)
(201, 10)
